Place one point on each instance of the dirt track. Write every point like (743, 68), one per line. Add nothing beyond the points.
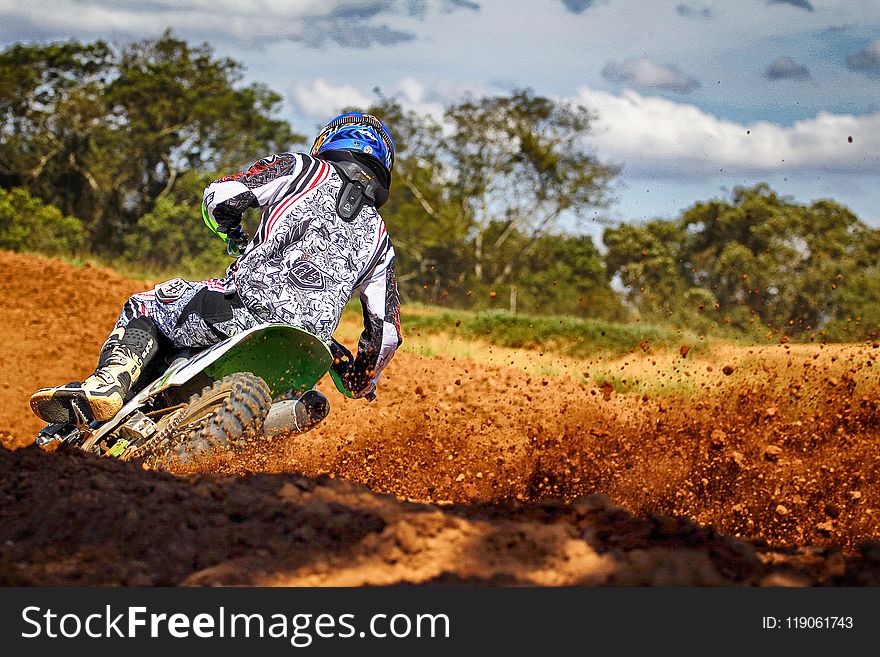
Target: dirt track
(781, 451)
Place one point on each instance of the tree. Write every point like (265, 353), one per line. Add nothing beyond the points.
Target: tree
(105, 132)
(648, 259)
(758, 259)
(477, 197)
(521, 161)
(52, 110)
(171, 236)
(428, 229)
(564, 274)
(182, 112)
(28, 224)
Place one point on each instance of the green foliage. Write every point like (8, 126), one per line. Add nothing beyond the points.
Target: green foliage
(28, 224)
(519, 162)
(427, 228)
(564, 274)
(475, 206)
(104, 133)
(648, 261)
(569, 336)
(759, 261)
(52, 114)
(171, 238)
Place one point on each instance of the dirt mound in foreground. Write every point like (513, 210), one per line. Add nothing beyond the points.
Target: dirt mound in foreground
(72, 518)
(776, 445)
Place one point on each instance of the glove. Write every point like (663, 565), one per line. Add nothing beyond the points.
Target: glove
(349, 379)
(236, 242)
(359, 384)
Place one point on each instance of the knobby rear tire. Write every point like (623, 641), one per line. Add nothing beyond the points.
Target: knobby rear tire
(222, 415)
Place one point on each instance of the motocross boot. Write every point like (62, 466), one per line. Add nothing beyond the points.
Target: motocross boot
(109, 344)
(102, 394)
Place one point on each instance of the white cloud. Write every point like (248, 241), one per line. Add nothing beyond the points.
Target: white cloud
(226, 17)
(433, 98)
(414, 96)
(321, 100)
(648, 133)
(642, 72)
(313, 22)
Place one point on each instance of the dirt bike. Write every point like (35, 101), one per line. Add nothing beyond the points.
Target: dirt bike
(248, 384)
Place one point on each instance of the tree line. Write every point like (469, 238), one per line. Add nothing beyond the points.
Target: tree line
(105, 150)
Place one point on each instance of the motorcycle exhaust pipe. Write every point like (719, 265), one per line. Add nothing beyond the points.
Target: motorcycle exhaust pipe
(296, 415)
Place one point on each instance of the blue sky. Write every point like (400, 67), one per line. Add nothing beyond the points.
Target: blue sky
(692, 97)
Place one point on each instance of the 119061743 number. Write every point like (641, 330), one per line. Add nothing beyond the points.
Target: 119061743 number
(819, 622)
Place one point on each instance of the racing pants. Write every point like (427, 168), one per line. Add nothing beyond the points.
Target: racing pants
(191, 314)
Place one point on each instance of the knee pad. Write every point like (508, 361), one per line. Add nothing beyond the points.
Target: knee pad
(142, 337)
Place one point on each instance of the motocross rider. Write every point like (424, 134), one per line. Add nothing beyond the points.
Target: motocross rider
(320, 240)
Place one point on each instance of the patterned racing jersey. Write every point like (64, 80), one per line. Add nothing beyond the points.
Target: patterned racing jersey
(305, 262)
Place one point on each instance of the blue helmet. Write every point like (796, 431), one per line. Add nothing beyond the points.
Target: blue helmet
(355, 131)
